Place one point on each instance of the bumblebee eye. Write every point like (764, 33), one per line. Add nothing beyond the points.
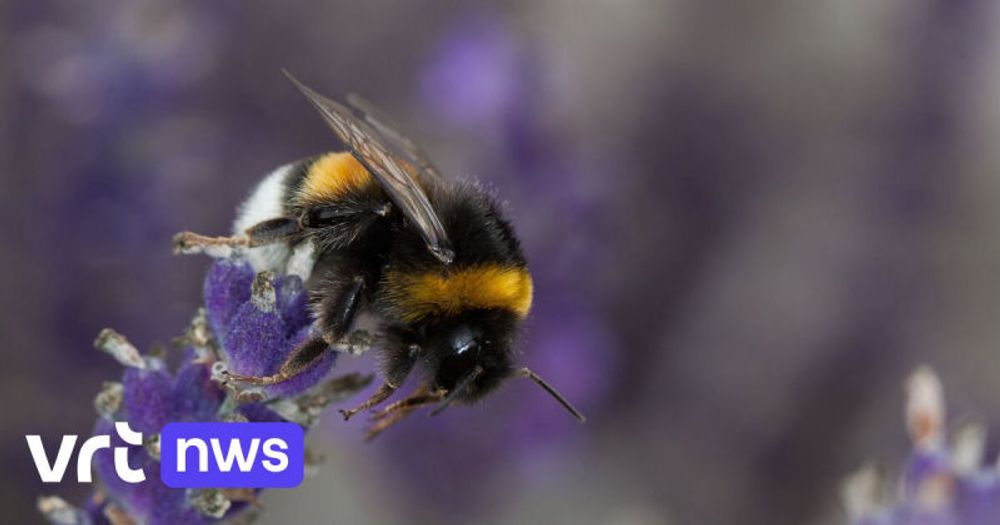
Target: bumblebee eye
(323, 216)
(459, 354)
(464, 340)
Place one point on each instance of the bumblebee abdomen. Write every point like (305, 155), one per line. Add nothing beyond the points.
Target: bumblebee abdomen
(489, 271)
(267, 201)
(416, 295)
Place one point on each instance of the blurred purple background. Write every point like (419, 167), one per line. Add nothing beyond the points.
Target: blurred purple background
(747, 225)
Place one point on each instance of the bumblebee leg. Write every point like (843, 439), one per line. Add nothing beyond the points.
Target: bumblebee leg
(395, 412)
(190, 243)
(272, 231)
(380, 395)
(260, 234)
(301, 358)
(338, 310)
(383, 424)
(395, 377)
(420, 397)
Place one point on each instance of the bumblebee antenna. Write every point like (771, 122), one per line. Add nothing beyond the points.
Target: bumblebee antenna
(459, 388)
(526, 372)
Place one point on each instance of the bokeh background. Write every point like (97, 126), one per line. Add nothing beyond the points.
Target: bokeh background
(748, 222)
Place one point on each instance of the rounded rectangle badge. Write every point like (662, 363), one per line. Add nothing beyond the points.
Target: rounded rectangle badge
(232, 455)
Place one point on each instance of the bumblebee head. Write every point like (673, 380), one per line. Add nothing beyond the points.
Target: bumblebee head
(470, 357)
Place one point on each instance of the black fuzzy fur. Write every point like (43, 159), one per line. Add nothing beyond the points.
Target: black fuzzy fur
(361, 245)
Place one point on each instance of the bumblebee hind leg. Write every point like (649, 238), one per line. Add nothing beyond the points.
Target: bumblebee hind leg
(301, 358)
(261, 234)
(188, 243)
(273, 230)
(339, 306)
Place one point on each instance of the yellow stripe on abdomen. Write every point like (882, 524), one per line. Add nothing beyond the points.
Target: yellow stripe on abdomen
(332, 176)
(485, 286)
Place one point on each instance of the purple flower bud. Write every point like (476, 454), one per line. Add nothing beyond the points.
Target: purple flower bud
(256, 322)
(147, 402)
(978, 498)
(194, 396)
(227, 287)
(294, 304)
(940, 484)
(255, 340)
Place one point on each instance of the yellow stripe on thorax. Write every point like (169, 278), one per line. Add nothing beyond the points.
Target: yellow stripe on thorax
(485, 286)
(333, 175)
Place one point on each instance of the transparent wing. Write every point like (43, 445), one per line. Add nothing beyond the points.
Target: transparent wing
(400, 143)
(398, 176)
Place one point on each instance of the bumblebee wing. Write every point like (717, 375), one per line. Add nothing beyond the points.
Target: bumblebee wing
(395, 139)
(397, 176)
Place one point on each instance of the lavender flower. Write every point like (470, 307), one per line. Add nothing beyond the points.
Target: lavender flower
(941, 483)
(250, 324)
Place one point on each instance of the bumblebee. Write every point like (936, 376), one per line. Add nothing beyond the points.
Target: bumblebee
(377, 229)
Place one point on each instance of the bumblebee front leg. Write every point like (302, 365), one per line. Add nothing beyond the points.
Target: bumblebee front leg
(395, 412)
(401, 367)
(384, 391)
(424, 395)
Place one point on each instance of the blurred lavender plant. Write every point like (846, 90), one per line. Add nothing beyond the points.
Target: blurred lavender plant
(250, 323)
(941, 483)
